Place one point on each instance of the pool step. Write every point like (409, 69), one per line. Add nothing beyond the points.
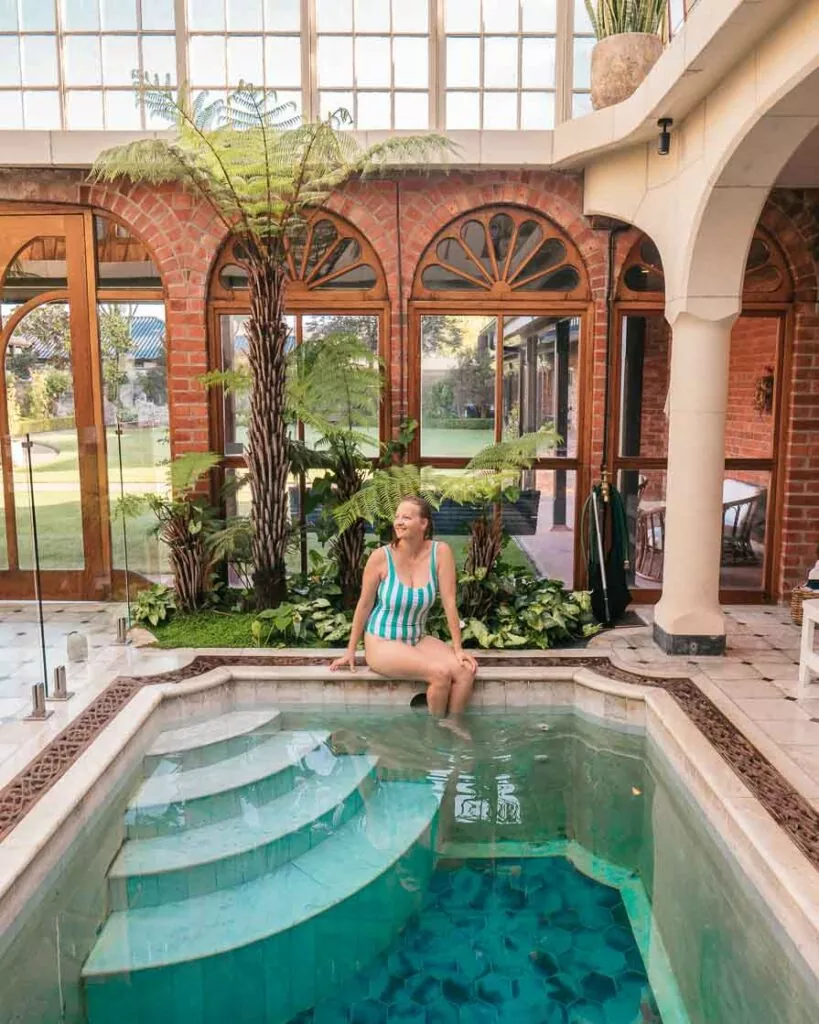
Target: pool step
(174, 800)
(167, 868)
(267, 949)
(194, 746)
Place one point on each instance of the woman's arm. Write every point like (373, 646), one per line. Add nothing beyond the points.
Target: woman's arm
(369, 588)
(447, 583)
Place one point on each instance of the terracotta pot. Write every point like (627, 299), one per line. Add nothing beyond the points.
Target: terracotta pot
(619, 64)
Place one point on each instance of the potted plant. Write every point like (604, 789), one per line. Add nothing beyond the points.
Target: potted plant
(628, 46)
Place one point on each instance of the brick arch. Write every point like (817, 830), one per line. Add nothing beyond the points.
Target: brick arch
(184, 235)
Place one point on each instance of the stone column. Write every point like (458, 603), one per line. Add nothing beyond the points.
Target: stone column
(688, 618)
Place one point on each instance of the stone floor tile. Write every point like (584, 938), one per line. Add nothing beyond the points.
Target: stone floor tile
(773, 709)
(788, 734)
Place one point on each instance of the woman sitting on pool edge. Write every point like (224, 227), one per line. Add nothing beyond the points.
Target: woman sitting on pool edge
(400, 580)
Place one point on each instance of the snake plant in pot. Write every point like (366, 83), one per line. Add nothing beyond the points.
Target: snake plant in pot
(628, 46)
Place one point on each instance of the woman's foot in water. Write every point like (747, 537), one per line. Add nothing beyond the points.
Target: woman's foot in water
(457, 727)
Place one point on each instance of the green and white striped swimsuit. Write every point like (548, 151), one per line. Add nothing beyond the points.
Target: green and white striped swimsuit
(400, 612)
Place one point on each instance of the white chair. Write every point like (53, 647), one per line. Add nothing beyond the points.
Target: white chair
(808, 658)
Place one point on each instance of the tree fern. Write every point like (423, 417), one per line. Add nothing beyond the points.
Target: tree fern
(263, 172)
(614, 17)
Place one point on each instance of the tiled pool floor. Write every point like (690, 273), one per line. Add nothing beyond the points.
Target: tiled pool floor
(533, 940)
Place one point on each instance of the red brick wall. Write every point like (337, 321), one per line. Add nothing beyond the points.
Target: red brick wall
(184, 237)
(656, 369)
(749, 435)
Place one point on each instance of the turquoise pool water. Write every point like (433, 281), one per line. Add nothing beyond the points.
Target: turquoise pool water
(317, 866)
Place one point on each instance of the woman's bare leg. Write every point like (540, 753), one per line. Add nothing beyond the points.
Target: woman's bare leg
(403, 661)
(462, 678)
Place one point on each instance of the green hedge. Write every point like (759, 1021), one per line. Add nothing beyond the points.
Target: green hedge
(458, 423)
(31, 426)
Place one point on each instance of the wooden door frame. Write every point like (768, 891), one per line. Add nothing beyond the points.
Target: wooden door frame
(579, 464)
(94, 580)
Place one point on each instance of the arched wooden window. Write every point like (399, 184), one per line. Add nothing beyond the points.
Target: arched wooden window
(767, 278)
(79, 362)
(501, 253)
(335, 283)
(329, 258)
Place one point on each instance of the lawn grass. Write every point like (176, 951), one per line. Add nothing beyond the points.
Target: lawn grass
(206, 629)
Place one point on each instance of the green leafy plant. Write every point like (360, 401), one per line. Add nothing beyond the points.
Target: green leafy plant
(613, 17)
(263, 173)
(185, 522)
(154, 605)
(307, 623)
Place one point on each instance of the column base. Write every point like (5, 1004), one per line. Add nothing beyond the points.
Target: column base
(694, 646)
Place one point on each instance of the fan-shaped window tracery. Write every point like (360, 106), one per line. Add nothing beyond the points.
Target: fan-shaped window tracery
(329, 255)
(505, 252)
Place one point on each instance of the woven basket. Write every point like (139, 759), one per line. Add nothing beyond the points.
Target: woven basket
(798, 595)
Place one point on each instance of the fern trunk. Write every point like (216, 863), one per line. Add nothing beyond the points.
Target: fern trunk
(485, 547)
(190, 562)
(349, 546)
(267, 456)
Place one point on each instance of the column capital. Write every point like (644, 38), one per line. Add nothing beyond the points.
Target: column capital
(716, 309)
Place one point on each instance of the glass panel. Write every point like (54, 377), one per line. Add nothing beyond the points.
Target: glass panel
(643, 493)
(207, 59)
(40, 390)
(83, 110)
(373, 61)
(5, 445)
(500, 63)
(159, 56)
(118, 15)
(120, 58)
(360, 277)
(463, 110)
(332, 102)
(38, 268)
(411, 110)
(282, 15)
(335, 60)
(8, 16)
(9, 61)
(463, 62)
(462, 15)
(500, 15)
(538, 63)
(581, 104)
(745, 497)
(409, 17)
(438, 279)
(582, 62)
(541, 523)
(451, 252)
(36, 16)
(366, 330)
(541, 363)
(79, 15)
(500, 110)
(244, 61)
(41, 110)
(474, 234)
(457, 384)
(39, 60)
(644, 378)
(565, 279)
(334, 15)
(122, 111)
(373, 110)
(372, 16)
(206, 15)
(244, 15)
(122, 260)
(411, 63)
(550, 254)
(749, 423)
(539, 15)
(11, 110)
(158, 14)
(283, 59)
(528, 239)
(501, 229)
(133, 344)
(582, 22)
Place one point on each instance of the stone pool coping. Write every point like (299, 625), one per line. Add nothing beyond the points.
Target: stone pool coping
(748, 790)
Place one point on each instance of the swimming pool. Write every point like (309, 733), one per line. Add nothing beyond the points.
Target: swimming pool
(328, 865)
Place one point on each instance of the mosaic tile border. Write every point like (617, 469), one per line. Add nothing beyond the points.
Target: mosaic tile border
(789, 809)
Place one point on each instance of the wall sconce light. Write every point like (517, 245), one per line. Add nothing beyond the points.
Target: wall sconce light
(664, 143)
